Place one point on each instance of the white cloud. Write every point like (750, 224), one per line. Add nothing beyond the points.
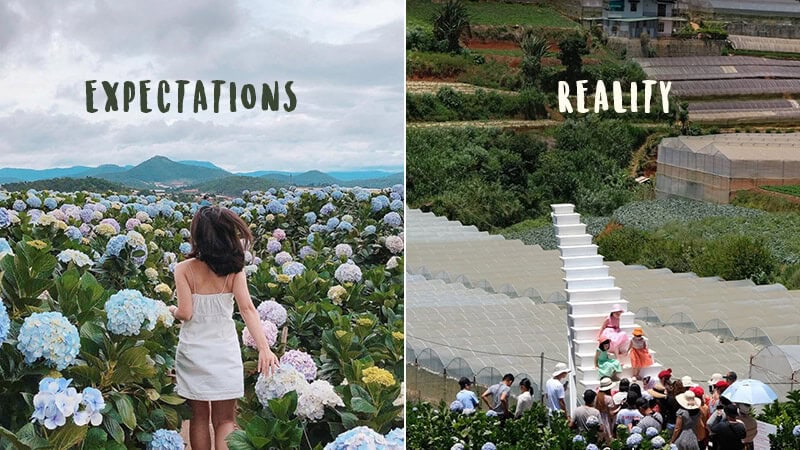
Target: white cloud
(345, 58)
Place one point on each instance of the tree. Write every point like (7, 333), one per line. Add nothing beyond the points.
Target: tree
(450, 20)
(534, 48)
(571, 50)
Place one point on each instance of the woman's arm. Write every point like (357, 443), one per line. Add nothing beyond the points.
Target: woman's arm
(602, 327)
(183, 311)
(678, 429)
(267, 361)
(596, 357)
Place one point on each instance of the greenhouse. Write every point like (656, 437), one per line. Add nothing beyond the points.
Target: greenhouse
(711, 168)
(779, 366)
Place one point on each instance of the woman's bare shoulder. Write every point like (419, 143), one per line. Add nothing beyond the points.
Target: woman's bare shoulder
(183, 265)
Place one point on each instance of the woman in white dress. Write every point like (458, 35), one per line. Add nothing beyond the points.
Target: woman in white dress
(525, 399)
(208, 361)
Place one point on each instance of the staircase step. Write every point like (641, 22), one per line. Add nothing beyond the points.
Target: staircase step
(582, 261)
(567, 219)
(562, 208)
(612, 295)
(586, 272)
(578, 239)
(570, 230)
(595, 320)
(578, 250)
(589, 283)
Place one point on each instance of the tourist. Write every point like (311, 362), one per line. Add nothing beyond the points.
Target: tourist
(684, 436)
(629, 414)
(622, 394)
(525, 399)
(705, 413)
(673, 406)
(611, 330)
(639, 353)
(606, 365)
(467, 398)
(687, 382)
(665, 377)
(649, 418)
(555, 390)
(730, 377)
(659, 395)
(726, 431)
(499, 393)
(750, 425)
(582, 413)
(605, 404)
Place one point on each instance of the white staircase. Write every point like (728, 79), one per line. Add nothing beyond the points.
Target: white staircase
(591, 293)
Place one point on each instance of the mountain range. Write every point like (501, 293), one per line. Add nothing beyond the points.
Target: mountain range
(164, 173)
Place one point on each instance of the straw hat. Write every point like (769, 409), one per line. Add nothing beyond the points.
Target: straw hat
(560, 368)
(687, 382)
(658, 391)
(638, 331)
(688, 400)
(606, 384)
(714, 378)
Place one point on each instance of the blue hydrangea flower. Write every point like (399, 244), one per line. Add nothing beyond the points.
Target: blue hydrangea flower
(344, 226)
(348, 273)
(634, 440)
(272, 311)
(5, 248)
(306, 251)
(177, 216)
(5, 218)
(380, 202)
(93, 402)
(128, 311)
(397, 437)
(491, 413)
(273, 246)
(73, 233)
(141, 259)
(399, 189)
(34, 202)
(276, 207)
(362, 196)
(327, 209)
(86, 215)
(5, 322)
(310, 239)
(54, 402)
(658, 442)
(796, 431)
(369, 229)
(361, 438)
(166, 440)
(456, 406)
(185, 248)
(310, 217)
(636, 430)
(317, 228)
(49, 335)
(333, 222)
(651, 432)
(578, 438)
(395, 196)
(396, 205)
(116, 244)
(19, 206)
(337, 195)
(293, 269)
(592, 447)
(50, 203)
(488, 446)
(282, 258)
(392, 219)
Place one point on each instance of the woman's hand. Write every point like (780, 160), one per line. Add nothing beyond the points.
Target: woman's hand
(172, 309)
(267, 362)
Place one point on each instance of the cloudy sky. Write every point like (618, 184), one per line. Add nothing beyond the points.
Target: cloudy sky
(345, 58)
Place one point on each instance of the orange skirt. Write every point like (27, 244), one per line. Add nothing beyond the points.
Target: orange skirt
(640, 357)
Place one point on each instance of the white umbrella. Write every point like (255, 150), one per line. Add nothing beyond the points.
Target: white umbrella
(752, 392)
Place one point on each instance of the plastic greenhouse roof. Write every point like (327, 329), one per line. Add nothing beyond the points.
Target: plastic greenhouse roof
(744, 146)
(762, 7)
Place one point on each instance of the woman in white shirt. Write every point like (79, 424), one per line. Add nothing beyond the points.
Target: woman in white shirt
(525, 399)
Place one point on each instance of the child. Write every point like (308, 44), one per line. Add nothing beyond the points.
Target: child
(610, 330)
(208, 361)
(606, 366)
(640, 355)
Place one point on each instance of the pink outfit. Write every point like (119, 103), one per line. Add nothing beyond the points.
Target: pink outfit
(619, 339)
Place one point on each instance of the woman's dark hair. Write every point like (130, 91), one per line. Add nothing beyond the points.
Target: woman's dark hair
(630, 401)
(624, 385)
(217, 235)
(635, 388)
(527, 383)
(603, 343)
(464, 382)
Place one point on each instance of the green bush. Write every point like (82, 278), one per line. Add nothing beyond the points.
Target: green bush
(449, 104)
(735, 257)
(786, 416)
(436, 65)
(624, 244)
(422, 40)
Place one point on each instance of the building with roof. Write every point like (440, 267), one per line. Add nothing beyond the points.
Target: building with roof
(631, 18)
(711, 168)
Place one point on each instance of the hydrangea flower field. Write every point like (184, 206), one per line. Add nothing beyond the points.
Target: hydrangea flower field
(87, 342)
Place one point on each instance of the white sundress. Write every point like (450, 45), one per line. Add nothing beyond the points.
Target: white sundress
(208, 360)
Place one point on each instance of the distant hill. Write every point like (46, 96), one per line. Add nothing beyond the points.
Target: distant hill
(102, 170)
(382, 182)
(12, 173)
(164, 171)
(234, 185)
(360, 174)
(68, 185)
(310, 178)
(206, 164)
